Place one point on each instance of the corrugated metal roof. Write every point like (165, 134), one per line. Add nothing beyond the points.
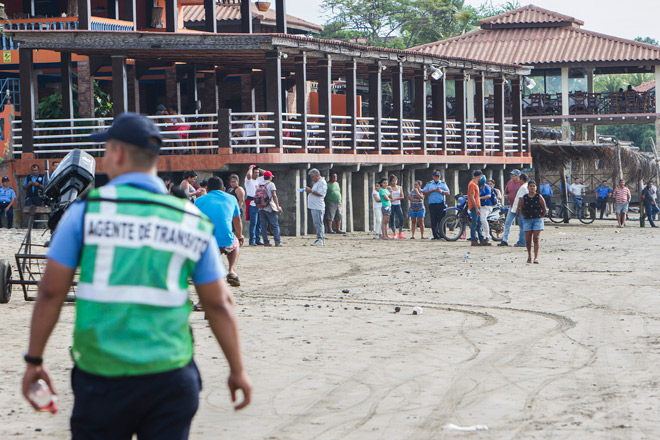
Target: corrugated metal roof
(233, 12)
(532, 46)
(528, 15)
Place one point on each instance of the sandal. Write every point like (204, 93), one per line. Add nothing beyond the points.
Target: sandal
(529, 261)
(197, 308)
(233, 280)
(536, 261)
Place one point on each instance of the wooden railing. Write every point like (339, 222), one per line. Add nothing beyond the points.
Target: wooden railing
(57, 24)
(256, 133)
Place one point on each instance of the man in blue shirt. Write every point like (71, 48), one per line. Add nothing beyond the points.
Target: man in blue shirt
(223, 210)
(7, 202)
(546, 192)
(159, 405)
(435, 191)
(602, 193)
(33, 187)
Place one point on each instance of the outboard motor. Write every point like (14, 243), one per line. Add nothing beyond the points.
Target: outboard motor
(73, 178)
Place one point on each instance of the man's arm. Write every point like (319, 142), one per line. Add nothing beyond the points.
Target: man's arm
(53, 288)
(27, 183)
(218, 303)
(238, 227)
(277, 202)
(248, 175)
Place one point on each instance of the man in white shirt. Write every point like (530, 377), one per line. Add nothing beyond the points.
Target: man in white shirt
(316, 204)
(253, 178)
(576, 190)
(514, 211)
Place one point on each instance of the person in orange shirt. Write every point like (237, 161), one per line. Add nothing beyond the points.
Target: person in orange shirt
(474, 204)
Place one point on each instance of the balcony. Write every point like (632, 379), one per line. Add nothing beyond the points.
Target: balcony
(240, 135)
(58, 24)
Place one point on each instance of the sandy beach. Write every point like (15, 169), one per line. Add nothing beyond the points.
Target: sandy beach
(565, 349)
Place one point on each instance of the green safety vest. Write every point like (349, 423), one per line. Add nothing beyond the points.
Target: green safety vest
(132, 308)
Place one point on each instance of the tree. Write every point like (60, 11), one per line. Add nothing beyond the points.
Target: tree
(648, 40)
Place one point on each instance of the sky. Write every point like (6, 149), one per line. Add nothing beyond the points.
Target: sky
(634, 18)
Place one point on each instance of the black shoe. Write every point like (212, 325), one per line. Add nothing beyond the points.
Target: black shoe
(503, 243)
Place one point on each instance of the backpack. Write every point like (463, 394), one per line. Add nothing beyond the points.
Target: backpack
(261, 198)
(493, 196)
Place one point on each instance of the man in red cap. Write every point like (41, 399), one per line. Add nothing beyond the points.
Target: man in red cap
(268, 213)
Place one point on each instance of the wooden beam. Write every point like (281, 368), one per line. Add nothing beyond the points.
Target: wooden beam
(280, 17)
(301, 97)
(397, 97)
(420, 106)
(95, 64)
(351, 102)
(325, 99)
(516, 112)
(479, 110)
(210, 22)
(498, 86)
(439, 102)
(119, 86)
(376, 101)
(67, 85)
(246, 17)
(28, 79)
(171, 16)
(130, 13)
(84, 15)
(274, 94)
(460, 109)
(191, 89)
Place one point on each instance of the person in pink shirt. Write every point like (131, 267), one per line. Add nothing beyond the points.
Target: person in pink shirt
(512, 187)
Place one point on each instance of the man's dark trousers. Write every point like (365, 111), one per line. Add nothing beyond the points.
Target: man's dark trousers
(154, 406)
(9, 214)
(437, 211)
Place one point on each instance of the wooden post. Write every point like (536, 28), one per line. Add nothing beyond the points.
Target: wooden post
(460, 110)
(67, 85)
(130, 13)
(274, 94)
(84, 15)
(397, 98)
(480, 111)
(351, 102)
(210, 22)
(171, 16)
(516, 112)
(375, 101)
(420, 107)
(325, 99)
(498, 85)
(224, 131)
(133, 89)
(439, 99)
(246, 17)
(119, 85)
(191, 89)
(28, 79)
(280, 17)
(301, 98)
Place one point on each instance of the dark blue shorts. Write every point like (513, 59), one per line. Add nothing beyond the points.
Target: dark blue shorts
(154, 406)
(34, 201)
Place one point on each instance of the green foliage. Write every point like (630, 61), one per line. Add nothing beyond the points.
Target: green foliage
(404, 23)
(612, 83)
(648, 40)
(50, 107)
(639, 134)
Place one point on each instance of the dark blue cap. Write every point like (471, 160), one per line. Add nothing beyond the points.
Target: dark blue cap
(133, 129)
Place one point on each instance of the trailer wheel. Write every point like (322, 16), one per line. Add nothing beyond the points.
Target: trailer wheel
(5, 281)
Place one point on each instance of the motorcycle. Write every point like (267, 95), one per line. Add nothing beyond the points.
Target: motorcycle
(457, 219)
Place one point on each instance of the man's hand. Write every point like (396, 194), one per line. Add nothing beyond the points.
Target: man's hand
(308, 189)
(32, 374)
(241, 382)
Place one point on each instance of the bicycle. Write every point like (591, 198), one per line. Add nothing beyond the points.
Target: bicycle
(556, 215)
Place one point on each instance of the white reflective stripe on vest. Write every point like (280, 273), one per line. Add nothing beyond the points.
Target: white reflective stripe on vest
(128, 231)
(132, 295)
(105, 252)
